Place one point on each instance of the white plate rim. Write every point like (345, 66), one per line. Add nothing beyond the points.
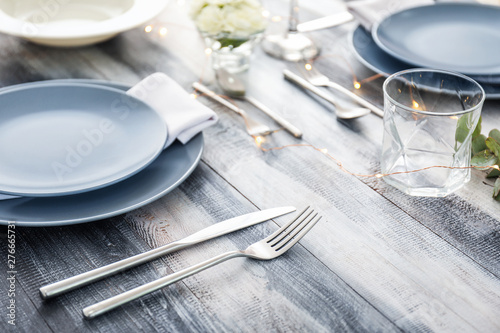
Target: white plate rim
(140, 12)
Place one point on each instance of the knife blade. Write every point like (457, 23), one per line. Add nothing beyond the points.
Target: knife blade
(325, 22)
(215, 230)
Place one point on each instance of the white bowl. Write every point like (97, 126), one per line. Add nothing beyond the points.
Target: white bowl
(69, 23)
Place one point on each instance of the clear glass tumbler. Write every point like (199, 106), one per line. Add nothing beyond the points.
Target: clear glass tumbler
(429, 118)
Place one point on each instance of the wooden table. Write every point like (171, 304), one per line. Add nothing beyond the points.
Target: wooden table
(379, 261)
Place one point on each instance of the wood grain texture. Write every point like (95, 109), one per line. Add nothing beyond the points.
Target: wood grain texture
(380, 261)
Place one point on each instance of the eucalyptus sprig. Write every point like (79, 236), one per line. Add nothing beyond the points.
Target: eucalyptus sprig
(486, 152)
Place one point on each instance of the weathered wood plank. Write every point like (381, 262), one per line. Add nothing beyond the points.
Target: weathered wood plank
(26, 317)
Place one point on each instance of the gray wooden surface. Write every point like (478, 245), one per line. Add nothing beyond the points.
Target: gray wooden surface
(380, 261)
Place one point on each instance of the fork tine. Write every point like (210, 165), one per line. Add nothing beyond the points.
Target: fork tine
(281, 230)
(298, 235)
(294, 231)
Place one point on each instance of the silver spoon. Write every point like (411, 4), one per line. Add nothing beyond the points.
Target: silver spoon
(234, 87)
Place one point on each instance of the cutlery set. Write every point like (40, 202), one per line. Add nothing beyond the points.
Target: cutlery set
(269, 248)
(311, 80)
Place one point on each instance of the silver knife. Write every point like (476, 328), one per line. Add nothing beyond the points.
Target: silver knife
(289, 75)
(325, 22)
(210, 232)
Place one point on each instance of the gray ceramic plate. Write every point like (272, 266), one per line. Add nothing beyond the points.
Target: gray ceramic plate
(59, 139)
(458, 37)
(167, 172)
(373, 57)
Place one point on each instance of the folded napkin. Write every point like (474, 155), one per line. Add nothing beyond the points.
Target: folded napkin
(368, 12)
(185, 117)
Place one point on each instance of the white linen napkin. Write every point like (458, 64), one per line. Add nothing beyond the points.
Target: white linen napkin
(185, 117)
(368, 12)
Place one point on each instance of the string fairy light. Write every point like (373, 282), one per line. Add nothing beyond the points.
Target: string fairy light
(324, 151)
(357, 84)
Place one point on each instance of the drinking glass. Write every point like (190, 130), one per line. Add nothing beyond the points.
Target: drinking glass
(292, 45)
(429, 118)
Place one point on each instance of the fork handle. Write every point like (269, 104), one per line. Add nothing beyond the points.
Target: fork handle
(115, 301)
(356, 98)
(276, 117)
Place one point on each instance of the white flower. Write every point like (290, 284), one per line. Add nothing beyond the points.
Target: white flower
(238, 18)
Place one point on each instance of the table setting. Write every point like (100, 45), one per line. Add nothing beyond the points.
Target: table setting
(350, 149)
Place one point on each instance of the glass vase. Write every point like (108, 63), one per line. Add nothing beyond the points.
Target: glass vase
(231, 53)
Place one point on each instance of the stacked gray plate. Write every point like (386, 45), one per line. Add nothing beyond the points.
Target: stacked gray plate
(459, 37)
(82, 150)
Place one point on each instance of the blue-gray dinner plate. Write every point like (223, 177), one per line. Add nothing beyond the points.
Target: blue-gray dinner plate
(59, 139)
(164, 174)
(460, 37)
(376, 59)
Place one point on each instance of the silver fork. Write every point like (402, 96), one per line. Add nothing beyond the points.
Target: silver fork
(318, 79)
(254, 128)
(268, 248)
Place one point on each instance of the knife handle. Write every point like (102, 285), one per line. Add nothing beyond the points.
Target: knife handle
(83, 279)
(356, 98)
(204, 89)
(305, 84)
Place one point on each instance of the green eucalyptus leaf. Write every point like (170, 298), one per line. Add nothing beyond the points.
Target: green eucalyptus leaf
(494, 173)
(495, 134)
(231, 42)
(478, 144)
(494, 146)
(462, 129)
(483, 158)
(477, 130)
(496, 190)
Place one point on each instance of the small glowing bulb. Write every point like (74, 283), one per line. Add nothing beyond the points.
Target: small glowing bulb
(266, 13)
(496, 167)
(208, 51)
(324, 151)
(357, 85)
(149, 28)
(415, 105)
(276, 19)
(193, 96)
(259, 140)
(308, 66)
(378, 175)
(454, 117)
(163, 31)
